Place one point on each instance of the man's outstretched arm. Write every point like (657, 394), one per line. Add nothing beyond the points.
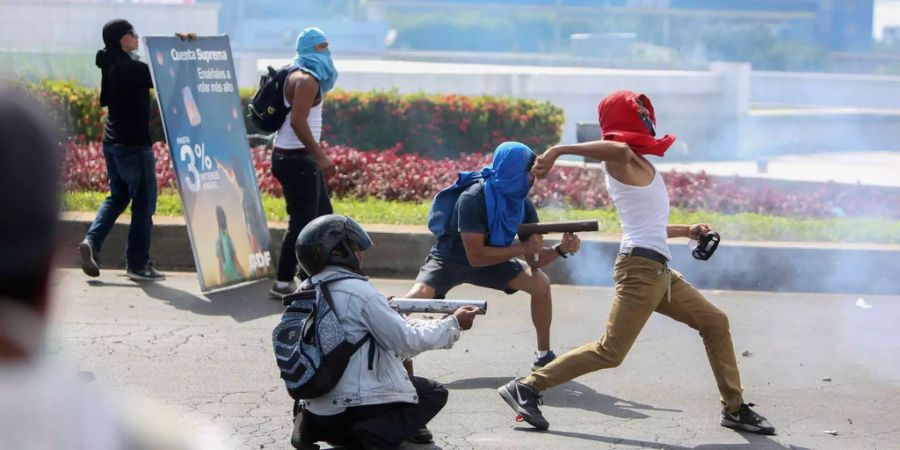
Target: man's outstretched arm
(695, 231)
(610, 151)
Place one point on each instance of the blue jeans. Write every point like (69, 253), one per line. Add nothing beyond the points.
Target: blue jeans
(132, 178)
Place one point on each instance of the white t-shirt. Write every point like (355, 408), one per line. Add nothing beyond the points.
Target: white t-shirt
(643, 213)
(287, 139)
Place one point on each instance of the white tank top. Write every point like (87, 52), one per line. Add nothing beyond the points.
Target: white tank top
(287, 139)
(643, 213)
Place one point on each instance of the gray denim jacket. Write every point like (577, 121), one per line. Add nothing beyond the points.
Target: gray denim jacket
(362, 309)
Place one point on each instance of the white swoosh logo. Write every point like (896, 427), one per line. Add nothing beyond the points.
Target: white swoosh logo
(519, 394)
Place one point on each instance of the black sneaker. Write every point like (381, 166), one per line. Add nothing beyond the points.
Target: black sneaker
(297, 434)
(541, 361)
(421, 436)
(524, 400)
(747, 420)
(148, 273)
(88, 263)
(278, 293)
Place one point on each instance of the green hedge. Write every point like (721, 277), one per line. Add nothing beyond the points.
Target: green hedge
(76, 108)
(436, 125)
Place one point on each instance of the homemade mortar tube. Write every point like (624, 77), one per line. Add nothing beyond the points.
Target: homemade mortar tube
(434, 306)
(571, 226)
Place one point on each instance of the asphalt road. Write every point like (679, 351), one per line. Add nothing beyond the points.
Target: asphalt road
(815, 363)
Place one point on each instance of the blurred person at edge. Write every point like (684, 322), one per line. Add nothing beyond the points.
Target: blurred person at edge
(130, 165)
(298, 163)
(42, 404)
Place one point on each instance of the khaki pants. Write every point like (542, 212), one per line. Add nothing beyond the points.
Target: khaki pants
(642, 287)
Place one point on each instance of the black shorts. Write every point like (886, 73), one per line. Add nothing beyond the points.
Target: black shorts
(443, 275)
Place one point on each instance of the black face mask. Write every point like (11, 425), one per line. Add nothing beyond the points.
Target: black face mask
(645, 118)
(649, 124)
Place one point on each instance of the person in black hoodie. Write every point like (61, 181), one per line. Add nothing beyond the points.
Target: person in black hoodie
(130, 164)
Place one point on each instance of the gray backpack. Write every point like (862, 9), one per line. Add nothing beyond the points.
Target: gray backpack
(311, 347)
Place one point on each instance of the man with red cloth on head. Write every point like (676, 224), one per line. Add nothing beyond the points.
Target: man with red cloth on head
(644, 282)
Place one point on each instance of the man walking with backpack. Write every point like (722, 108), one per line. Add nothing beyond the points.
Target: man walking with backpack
(298, 163)
(130, 165)
(340, 347)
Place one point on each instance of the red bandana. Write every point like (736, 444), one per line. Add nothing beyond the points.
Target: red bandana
(620, 121)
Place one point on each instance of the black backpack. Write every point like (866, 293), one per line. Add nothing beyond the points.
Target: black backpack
(311, 346)
(267, 110)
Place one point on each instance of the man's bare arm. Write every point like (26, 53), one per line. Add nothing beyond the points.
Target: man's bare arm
(545, 257)
(599, 150)
(675, 231)
(480, 255)
(695, 231)
(610, 151)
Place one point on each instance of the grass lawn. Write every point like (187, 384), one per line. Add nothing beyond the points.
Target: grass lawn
(743, 226)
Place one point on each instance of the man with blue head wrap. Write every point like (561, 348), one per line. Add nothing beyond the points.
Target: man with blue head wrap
(475, 221)
(298, 163)
(314, 58)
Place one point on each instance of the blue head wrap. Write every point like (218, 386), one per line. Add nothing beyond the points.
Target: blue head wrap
(316, 63)
(505, 189)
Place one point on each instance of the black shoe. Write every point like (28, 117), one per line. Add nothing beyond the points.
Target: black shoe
(421, 436)
(148, 273)
(88, 263)
(541, 361)
(297, 434)
(747, 420)
(524, 400)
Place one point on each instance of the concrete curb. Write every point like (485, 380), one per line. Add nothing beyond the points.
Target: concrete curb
(400, 250)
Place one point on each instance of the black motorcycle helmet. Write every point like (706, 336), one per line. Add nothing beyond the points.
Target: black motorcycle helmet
(328, 240)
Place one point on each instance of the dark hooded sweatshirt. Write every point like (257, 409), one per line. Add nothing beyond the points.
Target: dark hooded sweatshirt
(125, 90)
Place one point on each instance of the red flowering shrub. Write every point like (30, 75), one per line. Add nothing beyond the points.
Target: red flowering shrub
(84, 166)
(392, 175)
